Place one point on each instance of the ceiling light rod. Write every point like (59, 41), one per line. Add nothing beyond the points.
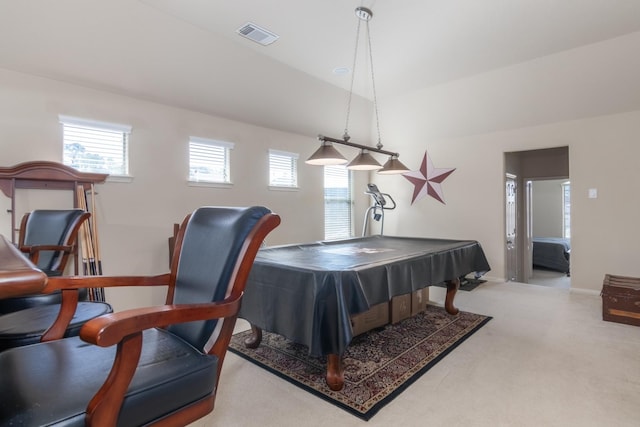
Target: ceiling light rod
(323, 138)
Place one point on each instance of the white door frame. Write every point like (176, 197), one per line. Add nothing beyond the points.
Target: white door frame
(511, 227)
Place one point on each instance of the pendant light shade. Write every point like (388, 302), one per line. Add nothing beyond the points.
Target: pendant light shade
(393, 166)
(364, 162)
(326, 155)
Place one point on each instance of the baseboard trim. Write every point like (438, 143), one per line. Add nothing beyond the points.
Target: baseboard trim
(583, 291)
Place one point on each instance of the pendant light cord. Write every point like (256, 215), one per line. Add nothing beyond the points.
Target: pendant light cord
(373, 84)
(346, 136)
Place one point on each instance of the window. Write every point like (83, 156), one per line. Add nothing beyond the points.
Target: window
(209, 160)
(337, 203)
(566, 210)
(91, 146)
(283, 169)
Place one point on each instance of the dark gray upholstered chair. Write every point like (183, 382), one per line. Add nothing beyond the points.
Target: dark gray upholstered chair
(150, 365)
(48, 237)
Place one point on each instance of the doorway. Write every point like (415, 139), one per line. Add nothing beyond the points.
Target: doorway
(524, 170)
(551, 231)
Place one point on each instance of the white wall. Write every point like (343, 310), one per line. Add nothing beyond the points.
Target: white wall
(603, 153)
(135, 219)
(467, 124)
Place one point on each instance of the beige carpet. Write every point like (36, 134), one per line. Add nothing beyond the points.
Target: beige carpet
(545, 359)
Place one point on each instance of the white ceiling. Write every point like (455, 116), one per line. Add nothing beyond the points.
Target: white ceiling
(415, 43)
(187, 52)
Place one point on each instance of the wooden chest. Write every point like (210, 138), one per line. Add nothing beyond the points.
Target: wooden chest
(621, 299)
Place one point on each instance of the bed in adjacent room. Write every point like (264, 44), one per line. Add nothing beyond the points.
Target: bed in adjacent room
(552, 253)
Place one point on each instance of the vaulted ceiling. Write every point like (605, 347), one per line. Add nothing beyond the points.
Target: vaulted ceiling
(188, 52)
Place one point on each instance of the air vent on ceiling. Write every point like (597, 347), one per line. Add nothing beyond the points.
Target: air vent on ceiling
(257, 34)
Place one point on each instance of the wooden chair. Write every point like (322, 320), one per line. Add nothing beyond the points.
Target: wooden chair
(48, 238)
(157, 365)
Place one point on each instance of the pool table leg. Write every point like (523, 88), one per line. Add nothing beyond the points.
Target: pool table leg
(254, 340)
(335, 372)
(452, 288)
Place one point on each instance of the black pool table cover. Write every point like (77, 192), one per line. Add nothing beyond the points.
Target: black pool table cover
(308, 292)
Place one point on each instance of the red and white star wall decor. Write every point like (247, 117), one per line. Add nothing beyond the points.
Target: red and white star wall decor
(427, 180)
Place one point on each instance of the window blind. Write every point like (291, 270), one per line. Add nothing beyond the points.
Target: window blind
(283, 169)
(209, 160)
(91, 146)
(337, 203)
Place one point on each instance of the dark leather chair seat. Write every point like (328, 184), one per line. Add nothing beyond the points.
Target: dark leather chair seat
(31, 375)
(10, 305)
(27, 326)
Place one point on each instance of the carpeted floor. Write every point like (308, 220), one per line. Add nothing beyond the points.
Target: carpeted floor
(379, 364)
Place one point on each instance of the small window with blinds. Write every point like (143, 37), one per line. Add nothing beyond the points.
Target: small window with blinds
(337, 203)
(97, 147)
(209, 160)
(283, 169)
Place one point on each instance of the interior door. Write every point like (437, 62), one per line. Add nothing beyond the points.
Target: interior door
(510, 228)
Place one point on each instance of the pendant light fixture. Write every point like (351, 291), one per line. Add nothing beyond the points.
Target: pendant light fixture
(328, 155)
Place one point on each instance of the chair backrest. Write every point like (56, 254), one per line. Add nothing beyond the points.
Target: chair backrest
(51, 227)
(204, 264)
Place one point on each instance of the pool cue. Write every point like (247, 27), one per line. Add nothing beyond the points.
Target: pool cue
(99, 291)
(88, 240)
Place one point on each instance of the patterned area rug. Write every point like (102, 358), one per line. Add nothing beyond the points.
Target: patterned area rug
(379, 364)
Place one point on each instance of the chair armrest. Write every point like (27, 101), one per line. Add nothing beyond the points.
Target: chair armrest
(113, 328)
(125, 329)
(34, 251)
(36, 248)
(78, 282)
(69, 287)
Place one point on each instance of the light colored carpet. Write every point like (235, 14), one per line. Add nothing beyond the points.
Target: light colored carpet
(545, 359)
(554, 279)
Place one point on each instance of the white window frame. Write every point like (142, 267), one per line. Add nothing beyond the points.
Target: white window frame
(108, 135)
(333, 230)
(283, 170)
(225, 164)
